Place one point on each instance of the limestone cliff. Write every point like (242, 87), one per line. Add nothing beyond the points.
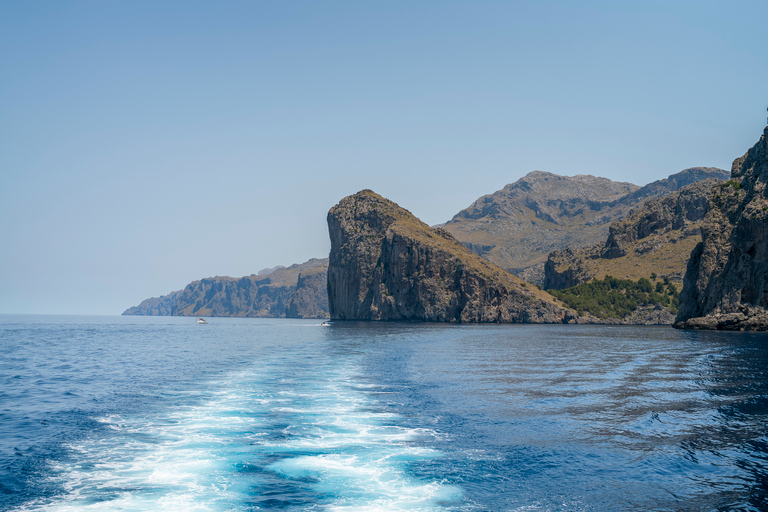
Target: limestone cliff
(385, 264)
(155, 306)
(652, 240)
(518, 226)
(726, 283)
(310, 299)
(298, 291)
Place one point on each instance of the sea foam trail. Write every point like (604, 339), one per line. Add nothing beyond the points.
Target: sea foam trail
(273, 437)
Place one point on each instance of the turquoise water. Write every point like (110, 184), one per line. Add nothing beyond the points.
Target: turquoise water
(151, 414)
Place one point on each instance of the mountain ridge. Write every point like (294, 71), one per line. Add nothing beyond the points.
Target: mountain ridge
(297, 291)
(385, 264)
(518, 226)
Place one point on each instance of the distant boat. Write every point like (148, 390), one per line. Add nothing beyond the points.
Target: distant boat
(201, 321)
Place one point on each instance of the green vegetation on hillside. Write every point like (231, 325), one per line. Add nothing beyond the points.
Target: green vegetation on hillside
(617, 298)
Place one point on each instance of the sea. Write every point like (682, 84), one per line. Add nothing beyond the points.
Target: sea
(110, 413)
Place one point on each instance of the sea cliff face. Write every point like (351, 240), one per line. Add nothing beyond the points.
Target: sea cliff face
(726, 283)
(298, 291)
(385, 264)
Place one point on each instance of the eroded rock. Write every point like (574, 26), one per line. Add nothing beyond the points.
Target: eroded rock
(385, 264)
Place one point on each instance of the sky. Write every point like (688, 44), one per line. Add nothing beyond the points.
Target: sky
(147, 144)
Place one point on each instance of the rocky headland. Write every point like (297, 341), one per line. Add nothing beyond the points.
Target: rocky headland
(385, 264)
(517, 227)
(726, 282)
(298, 291)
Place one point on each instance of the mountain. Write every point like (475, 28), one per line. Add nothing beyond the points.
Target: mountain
(651, 244)
(518, 226)
(652, 240)
(726, 281)
(385, 264)
(298, 291)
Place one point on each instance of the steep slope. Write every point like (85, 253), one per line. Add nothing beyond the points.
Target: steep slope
(385, 264)
(298, 291)
(726, 282)
(653, 240)
(518, 226)
(155, 306)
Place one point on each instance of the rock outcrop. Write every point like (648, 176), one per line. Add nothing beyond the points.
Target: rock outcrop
(570, 267)
(385, 264)
(310, 299)
(726, 283)
(518, 226)
(652, 242)
(654, 239)
(678, 212)
(156, 306)
(298, 291)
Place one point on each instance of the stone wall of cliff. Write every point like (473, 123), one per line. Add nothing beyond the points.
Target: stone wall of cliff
(155, 306)
(310, 298)
(385, 264)
(298, 291)
(654, 239)
(674, 212)
(726, 284)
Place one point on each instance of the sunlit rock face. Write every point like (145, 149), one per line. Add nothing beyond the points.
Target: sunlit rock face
(385, 264)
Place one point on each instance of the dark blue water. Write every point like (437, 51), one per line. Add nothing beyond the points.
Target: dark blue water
(151, 414)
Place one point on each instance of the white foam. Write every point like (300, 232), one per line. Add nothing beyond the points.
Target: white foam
(186, 458)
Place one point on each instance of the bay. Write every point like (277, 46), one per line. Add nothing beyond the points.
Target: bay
(158, 413)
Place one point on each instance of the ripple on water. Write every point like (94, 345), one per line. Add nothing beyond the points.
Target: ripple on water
(249, 415)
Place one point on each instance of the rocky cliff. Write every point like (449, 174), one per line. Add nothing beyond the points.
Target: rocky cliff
(726, 282)
(298, 291)
(518, 226)
(156, 306)
(385, 264)
(652, 241)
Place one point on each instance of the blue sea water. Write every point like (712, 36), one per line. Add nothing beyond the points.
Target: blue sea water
(160, 414)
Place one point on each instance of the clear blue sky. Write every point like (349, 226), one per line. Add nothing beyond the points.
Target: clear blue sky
(146, 144)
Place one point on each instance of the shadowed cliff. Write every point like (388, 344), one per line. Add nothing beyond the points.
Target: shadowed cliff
(726, 283)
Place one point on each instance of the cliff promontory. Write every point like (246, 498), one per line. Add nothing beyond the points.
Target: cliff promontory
(726, 283)
(298, 291)
(385, 264)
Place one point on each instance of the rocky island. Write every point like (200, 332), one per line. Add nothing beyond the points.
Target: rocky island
(726, 282)
(385, 264)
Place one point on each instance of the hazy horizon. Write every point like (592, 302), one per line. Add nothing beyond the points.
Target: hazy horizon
(146, 145)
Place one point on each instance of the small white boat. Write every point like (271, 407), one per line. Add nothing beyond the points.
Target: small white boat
(201, 321)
